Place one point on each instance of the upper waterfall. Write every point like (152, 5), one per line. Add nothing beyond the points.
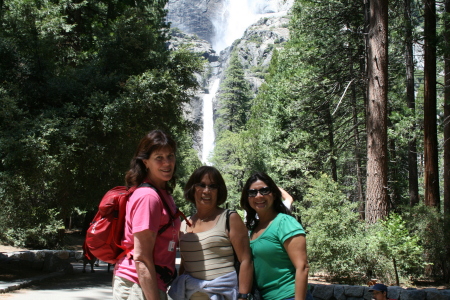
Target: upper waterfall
(237, 15)
(220, 22)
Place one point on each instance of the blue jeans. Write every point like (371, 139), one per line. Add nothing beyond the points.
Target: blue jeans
(308, 296)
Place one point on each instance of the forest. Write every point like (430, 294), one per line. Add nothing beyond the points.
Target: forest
(352, 120)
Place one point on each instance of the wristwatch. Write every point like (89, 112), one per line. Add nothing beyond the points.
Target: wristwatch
(245, 296)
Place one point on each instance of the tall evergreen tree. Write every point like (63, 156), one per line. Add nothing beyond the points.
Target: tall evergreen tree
(234, 100)
(447, 110)
(81, 83)
(377, 196)
(431, 172)
(412, 145)
(231, 151)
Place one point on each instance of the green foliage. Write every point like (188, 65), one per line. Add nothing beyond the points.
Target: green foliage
(335, 235)
(434, 235)
(395, 242)
(81, 84)
(45, 235)
(234, 100)
(348, 250)
(232, 159)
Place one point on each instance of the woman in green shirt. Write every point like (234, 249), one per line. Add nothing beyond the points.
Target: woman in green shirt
(277, 241)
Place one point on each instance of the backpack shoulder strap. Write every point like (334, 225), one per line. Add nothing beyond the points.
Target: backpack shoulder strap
(177, 214)
(227, 223)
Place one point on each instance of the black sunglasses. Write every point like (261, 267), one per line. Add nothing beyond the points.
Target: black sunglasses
(203, 186)
(263, 191)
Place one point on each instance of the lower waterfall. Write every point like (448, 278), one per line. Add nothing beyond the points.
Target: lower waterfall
(208, 121)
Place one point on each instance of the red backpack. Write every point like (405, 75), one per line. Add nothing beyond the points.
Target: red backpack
(104, 236)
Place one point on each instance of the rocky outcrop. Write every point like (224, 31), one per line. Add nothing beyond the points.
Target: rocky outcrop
(193, 43)
(255, 48)
(195, 17)
(195, 25)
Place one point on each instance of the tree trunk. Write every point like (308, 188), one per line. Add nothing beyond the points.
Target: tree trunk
(376, 194)
(357, 143)
(364, 62)
(431, 176)
(447, 114)
(329, 124)
(447, 136)
(410, 97)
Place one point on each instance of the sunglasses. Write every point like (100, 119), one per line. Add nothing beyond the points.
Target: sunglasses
(263, 191)
(203, 186)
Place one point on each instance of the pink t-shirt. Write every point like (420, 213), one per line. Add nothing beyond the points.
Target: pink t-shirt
(145, 211)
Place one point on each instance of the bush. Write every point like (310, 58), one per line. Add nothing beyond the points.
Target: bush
(429, 226)
(350, 251)
(397, 250)
(41, 236)
(334, 232)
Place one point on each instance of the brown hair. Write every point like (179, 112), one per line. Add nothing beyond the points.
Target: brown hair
(151, 142)
(251, 220)
(196, 177)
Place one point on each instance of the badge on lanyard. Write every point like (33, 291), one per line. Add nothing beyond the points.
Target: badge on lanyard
(171, 247)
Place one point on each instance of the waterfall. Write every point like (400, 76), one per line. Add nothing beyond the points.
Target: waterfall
(229, 25)
(208, 121)
(238, 15)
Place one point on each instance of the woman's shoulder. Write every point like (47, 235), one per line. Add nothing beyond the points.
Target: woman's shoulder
(145, 195)
(281, 217)
(287, 221)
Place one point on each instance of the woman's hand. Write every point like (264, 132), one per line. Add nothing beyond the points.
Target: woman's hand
(144, 242)
(296, 249)
(239, 239)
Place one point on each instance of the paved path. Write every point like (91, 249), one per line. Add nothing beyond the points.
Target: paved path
(76, 286)
(80, 286)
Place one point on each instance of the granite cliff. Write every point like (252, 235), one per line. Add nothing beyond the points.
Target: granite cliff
(198, 24)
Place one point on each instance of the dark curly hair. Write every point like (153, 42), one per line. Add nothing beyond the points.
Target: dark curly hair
(196, 177)
(151, 142)
(251, 221)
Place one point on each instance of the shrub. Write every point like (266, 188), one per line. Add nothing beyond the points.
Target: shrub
(397, 249)
(334, 232)
(350, 251)
(41, 236)
(429, 226)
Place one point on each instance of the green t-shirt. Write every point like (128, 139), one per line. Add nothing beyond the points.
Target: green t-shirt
(274, 271)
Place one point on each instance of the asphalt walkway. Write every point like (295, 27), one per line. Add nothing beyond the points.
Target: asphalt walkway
(55, 286)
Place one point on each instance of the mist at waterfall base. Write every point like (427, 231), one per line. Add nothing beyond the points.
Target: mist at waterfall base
(229, 25)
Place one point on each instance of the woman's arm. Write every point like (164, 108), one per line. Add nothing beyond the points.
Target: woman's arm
(296, 249)
(181, 268)
(239, 239)
(285, 195)
(144, 242)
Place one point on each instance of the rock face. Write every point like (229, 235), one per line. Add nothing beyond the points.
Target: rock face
(193, 44)
(256, 47)
(195, 17)
(197, 24)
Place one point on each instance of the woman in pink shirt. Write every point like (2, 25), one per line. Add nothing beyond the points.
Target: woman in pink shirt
(151, 229)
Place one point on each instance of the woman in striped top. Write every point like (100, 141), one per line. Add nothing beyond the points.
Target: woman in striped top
(207, 255)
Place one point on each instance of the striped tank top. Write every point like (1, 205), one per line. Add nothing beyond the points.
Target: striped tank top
(208, 254)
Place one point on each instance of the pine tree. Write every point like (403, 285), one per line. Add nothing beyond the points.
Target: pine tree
(431, 172)
(235, 96)
(377, 196)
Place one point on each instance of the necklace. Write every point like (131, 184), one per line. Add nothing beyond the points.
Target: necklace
(205, 219)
